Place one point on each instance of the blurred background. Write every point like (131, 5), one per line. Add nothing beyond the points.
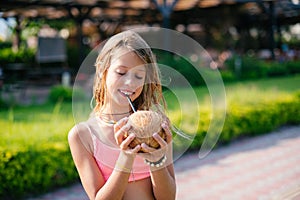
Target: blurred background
(40, 40)
(253, 44)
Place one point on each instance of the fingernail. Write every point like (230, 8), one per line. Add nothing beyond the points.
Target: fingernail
(155, 134)
(143, 145)
(127, 127)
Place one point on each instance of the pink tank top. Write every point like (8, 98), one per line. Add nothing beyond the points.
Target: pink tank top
(106, 157)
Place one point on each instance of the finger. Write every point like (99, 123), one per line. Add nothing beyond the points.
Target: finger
(121, 133)
(126, 142)
(120, 124)
(168, 132)
(136, 149)
(160, 140)
(147, 148)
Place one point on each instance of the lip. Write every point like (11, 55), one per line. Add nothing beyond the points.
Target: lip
(126, 93)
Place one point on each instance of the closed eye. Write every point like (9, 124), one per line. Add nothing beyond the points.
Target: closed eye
(121, 73)
(139, 77)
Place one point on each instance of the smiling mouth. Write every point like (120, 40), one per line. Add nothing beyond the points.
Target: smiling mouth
(126, 93)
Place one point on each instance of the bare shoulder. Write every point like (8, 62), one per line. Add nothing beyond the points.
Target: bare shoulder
(80, 135)
(77, 132)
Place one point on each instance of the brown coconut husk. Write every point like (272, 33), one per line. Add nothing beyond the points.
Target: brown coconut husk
(143, 125)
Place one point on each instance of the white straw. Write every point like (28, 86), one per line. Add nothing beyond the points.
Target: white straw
(130, 102)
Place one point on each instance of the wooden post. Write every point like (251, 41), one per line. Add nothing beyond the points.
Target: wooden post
(272, 25)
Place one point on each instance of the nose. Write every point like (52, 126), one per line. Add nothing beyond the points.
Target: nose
(129, 80)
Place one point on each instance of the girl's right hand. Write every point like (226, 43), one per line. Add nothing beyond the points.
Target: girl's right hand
(122, 138)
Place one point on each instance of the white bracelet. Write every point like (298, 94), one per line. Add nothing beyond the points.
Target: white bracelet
(158, 163)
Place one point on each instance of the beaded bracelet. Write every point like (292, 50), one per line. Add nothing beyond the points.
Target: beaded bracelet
(158, 163)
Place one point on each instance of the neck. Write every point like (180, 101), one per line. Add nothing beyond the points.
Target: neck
(115, 112)
(111, 116)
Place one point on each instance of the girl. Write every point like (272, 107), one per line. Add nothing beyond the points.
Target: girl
(107, 166)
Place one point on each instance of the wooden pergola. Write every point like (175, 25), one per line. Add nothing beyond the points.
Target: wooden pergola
(174, 14)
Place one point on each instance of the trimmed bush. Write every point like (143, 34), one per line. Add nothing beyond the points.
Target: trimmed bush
(24, 55)
(62, 93)
(34, 170)
(293, 67)
(251, 120)
(3, 104)
(253, 68)
(35, 157)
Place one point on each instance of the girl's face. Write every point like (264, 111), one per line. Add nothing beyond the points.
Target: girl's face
(125, 76)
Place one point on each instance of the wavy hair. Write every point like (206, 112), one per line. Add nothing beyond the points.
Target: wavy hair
(152, 90)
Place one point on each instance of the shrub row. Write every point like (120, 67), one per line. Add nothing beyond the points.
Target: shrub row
(58, 93)
(24, 55)
(247, 67)
(67, 94)
(235, 68)
(34, 170)
(252, 120)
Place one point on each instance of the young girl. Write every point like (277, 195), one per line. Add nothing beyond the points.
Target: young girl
(107, 166)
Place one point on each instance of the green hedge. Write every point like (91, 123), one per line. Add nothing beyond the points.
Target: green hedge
(34, 170)
(67, 94)
(38, 168)
(250, 120)
(24, 55)
(253, 68)
(250, 68)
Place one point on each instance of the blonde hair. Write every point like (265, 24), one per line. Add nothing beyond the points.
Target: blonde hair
(152, 89)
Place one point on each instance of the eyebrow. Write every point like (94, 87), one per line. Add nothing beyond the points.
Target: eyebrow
(123, 66)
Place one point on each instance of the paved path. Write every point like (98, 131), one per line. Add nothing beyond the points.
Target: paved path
(265, 168)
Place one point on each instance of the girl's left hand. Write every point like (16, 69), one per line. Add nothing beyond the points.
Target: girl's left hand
(152, 154)
(121, 137)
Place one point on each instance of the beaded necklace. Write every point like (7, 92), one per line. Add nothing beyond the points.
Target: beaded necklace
(104, 117)
(108, 121)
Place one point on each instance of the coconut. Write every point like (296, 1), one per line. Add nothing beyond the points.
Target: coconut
(143, 125)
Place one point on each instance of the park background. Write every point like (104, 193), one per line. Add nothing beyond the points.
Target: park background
(255, 45)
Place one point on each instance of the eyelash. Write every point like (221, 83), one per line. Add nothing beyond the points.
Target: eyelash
(138, 77)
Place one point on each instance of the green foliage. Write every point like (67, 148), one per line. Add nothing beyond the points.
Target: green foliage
(293, 67)
(73, 53)
(34, 153)
(253, 107)
(253, 120)
(34, 170)
(4, 45)
(183, 66)
(250, 68)
(24, 55)
(250, 120)
(3, 104)
(253, 68)
(62, 93)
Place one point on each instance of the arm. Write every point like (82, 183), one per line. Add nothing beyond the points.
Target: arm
(90, 175)
(162, 178)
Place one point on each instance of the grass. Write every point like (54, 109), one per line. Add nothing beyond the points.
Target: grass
(35, 125)
(252, 91)
(29, 133)
(183, 107)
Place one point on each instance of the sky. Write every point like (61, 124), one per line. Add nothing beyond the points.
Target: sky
(4, 29)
